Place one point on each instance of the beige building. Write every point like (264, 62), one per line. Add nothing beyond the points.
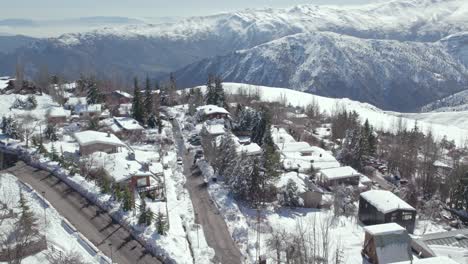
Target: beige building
(94, 141)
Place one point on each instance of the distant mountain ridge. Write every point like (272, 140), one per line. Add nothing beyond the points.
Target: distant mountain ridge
(158, 49)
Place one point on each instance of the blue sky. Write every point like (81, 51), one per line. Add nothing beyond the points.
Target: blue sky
(57, 9)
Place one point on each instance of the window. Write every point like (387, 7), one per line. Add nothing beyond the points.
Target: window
(141, 182)
(393, 217)
(407, 216)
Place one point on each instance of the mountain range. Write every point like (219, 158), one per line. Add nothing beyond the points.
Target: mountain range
(399, 55)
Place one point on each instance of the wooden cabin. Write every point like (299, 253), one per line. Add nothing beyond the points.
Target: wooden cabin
(386, 243)
(379, 207)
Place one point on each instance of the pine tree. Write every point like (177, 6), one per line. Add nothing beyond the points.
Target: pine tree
(53, 153)
(118, 192)
(152, 122)
(27, 223)
(105, 185)
(291, 194)
(220, 99)
(31, 102)
(142, 219)
(93, 95)
(127, 199)
(148, 103)
(210, 97)
(149, 217)
(161, 225)
(137, 106)
(172, 90)
(4, 124)
(51, 132)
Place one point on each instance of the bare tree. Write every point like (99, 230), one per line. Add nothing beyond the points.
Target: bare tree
(59, 257)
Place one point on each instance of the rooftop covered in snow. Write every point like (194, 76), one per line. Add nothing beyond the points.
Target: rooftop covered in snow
(339, 173)
(94, 108)
(295, 147)
(73, 101)
(89, 137)
(214, 129)
(385, 201)
(123, 94)
(384, 229)
(128, 123)
(211, 109)
(58, 112)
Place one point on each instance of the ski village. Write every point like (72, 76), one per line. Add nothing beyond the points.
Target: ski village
(94, 172)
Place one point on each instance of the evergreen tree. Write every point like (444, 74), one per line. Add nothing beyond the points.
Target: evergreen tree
(93, 95)
(161, 225)
(11, 128)
(149, 217)
(142, 219)
(51, 132)
(210, 97)
(137, 106)
(220, 99)
(4, 124)
(93, 123)
(152, 122)
(172, 90)
(148, 103)
(27, 223)
(118, 192)
(53, 153)
(31, 102)
(291, 195)
(127, 199)
(105, 185)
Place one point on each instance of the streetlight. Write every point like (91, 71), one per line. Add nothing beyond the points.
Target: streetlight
(45, 215)
(110, 246)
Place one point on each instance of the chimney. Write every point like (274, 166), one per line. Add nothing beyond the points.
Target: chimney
(108, 134)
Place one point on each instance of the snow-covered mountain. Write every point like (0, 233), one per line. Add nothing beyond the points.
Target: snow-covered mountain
(453, 125)
(162, 48)
(453, 103)
(390, 74)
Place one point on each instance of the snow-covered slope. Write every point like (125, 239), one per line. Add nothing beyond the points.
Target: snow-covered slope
(448, 125)
(452, 103)
(391, 74)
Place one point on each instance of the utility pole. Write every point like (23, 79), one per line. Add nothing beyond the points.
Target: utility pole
(45, 215)
(110, 246)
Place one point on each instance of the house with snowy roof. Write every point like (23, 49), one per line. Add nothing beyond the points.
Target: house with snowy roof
(213, 130)
(210, 112)
(93, 141)
(123, 169)
(379, 207)
(57, 115)
(86, 111)
(120, 97)
(128, 126)
(386, 243)
(303, 148)
(338, 176)
(73, 102)
(452, 244)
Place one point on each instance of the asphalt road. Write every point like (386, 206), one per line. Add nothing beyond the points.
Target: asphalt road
(206, 213)
(96, 225)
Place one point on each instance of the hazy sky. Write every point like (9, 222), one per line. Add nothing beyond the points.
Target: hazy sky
(54, 9)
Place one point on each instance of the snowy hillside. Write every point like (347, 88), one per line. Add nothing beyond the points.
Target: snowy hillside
(391, 74)
(444, 125)
(174, 45)
(454, 102)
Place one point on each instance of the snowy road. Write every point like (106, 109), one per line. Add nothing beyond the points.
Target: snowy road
(93, 223)
(207, 214)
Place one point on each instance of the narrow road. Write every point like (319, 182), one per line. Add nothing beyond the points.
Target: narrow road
(96, 225)
(206, 213)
